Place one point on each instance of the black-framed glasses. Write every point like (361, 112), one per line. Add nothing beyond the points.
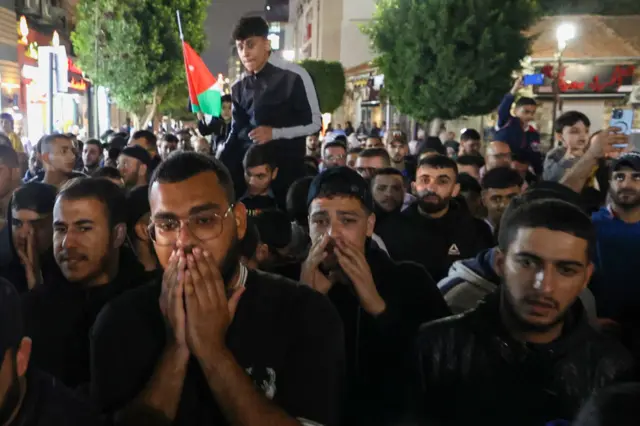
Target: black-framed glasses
(204, 226)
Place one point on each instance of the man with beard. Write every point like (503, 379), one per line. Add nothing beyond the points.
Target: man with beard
(89, 230)
(387, 187)
(334, 154)
(29, 397)
(498, 154)
(618, 242)
(58, 159)
(213, 342)
(26, 250)
(91, 156)
(168, 144)
(380, 311)
(370, 160)
(499, 187)
(470, 143)
(437, 229)
(133, 164)
(400, 159)
(527, 354)
(313, 145)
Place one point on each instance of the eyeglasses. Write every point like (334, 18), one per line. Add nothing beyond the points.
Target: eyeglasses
(332, 158)
(204, 226)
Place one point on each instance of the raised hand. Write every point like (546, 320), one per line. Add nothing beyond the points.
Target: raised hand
(311, 274)
(172, 300)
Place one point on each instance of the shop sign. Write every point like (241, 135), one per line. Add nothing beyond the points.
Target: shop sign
(78, 84)
(31, 50)
(586, 79)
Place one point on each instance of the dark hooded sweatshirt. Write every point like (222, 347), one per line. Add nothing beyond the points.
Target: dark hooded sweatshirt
(58, 319)
(379, 348)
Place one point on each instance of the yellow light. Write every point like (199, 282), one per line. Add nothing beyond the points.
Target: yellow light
(23, 30)
(55, 40)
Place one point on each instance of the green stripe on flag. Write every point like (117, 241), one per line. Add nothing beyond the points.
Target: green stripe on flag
(209, 102)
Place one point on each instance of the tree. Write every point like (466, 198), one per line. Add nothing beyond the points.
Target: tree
(448, 58)
(596, 7)
(329, 80)
(133, 47)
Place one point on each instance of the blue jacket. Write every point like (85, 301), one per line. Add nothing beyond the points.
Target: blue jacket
(521, 141)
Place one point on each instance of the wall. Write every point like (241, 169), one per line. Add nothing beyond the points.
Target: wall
(354, 45)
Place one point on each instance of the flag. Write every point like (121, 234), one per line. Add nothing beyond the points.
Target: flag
(204, 92)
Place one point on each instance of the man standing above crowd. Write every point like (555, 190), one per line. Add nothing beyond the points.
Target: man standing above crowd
(133, 164)
(527, 354)
(380, 312)
(89, 230)
(517, 130)
(218, 127)
(436, 230)
(275, 103)
(214, 343)
(91, 156)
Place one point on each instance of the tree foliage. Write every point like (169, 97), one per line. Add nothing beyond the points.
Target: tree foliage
(449, 58)
(596, 7)
(139, 53)
(329, 79)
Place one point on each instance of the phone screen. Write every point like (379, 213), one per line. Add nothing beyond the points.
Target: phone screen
(533, 80)
(622, 119)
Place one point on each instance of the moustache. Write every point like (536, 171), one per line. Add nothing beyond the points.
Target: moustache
(67, 255)
(627, 192)
(427, 194)
(546, 302)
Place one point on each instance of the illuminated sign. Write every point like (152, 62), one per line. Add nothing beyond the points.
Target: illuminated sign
(78, 84)
(32, 50)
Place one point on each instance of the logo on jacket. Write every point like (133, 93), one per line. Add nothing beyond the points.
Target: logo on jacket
(453, 250)
(265, 380)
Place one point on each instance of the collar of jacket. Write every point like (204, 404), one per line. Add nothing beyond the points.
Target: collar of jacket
(487, 320)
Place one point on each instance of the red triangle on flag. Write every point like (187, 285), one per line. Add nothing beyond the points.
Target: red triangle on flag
(199, 78)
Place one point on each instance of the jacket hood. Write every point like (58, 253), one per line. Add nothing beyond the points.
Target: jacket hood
(477, 271)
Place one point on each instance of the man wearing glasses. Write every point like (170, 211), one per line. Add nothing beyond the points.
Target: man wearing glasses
(214, 343)
(334, 154)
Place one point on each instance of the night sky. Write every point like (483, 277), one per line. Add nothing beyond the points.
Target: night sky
(222, 16)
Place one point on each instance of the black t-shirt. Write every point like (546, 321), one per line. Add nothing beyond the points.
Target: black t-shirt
(286, 336)
(257, 204)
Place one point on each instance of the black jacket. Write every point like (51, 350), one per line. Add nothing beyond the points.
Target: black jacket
(217, 127)
(281, 96)
(471, 371)
(378, 348)
(49, 403)
(435, 243)
(59, 316)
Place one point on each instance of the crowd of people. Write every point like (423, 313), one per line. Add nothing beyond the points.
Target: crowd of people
(262, 272)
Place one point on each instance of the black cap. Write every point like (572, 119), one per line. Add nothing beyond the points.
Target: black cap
(11, 322)
(342, 181)
(629, 159)
(432, 143)
(139, 153)
(137, 204)
(274, 228)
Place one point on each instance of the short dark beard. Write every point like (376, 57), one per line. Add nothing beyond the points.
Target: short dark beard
(515, 320)
(626, 206)
(12, 398)
(229, 265)
(430, 208)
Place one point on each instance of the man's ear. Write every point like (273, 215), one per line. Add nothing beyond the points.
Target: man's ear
(499, 260)
(240, 214)
(456, 190)
(23, 355)
(45, 158)
(142, 231)
(119, 235)
(371, 224)
(274, 174)
(483, 195)
(413, 188)
(142, 171)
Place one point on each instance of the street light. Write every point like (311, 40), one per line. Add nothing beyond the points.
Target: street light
(564, 34)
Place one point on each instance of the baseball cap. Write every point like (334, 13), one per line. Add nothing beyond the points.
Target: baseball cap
(11, 322)
(629, 159)
(137, 204)
(341, 181)
(137, 152)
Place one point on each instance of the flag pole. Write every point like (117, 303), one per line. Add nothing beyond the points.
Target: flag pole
(179, 25)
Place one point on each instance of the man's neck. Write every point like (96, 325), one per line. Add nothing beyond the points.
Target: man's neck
(399, 166)
(436, 215)
(257, 71)
(627, 215)
(258, 194)
(113, 267)
(90, 169)
(146, 257)
(535, 337)
(55, 178)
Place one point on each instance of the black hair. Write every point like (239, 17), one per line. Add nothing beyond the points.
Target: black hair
(569, 119)
(105, 135)
(36, 196)
(259, 155)
(103, 190)
(297, 207)
(250, 26)
(249, 243)
(387, 171)
(552, 214)
(356, 150)
(95, 142)
(146, 135)
(274, 228)
(171, 138)
(184, 165)
(614, 405)
(470, 160)
(376, 152)
(431, 144)
(118, 142)
(525, 101)
(470, 135)
(374, 135)
(334, 144)
(439, 162)
(114, 153)
(107, 172)
(6, 116)
(226, 98)
(47, 142)
(501, 178)
(469, 184)
(8, 156)
(311, 158)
